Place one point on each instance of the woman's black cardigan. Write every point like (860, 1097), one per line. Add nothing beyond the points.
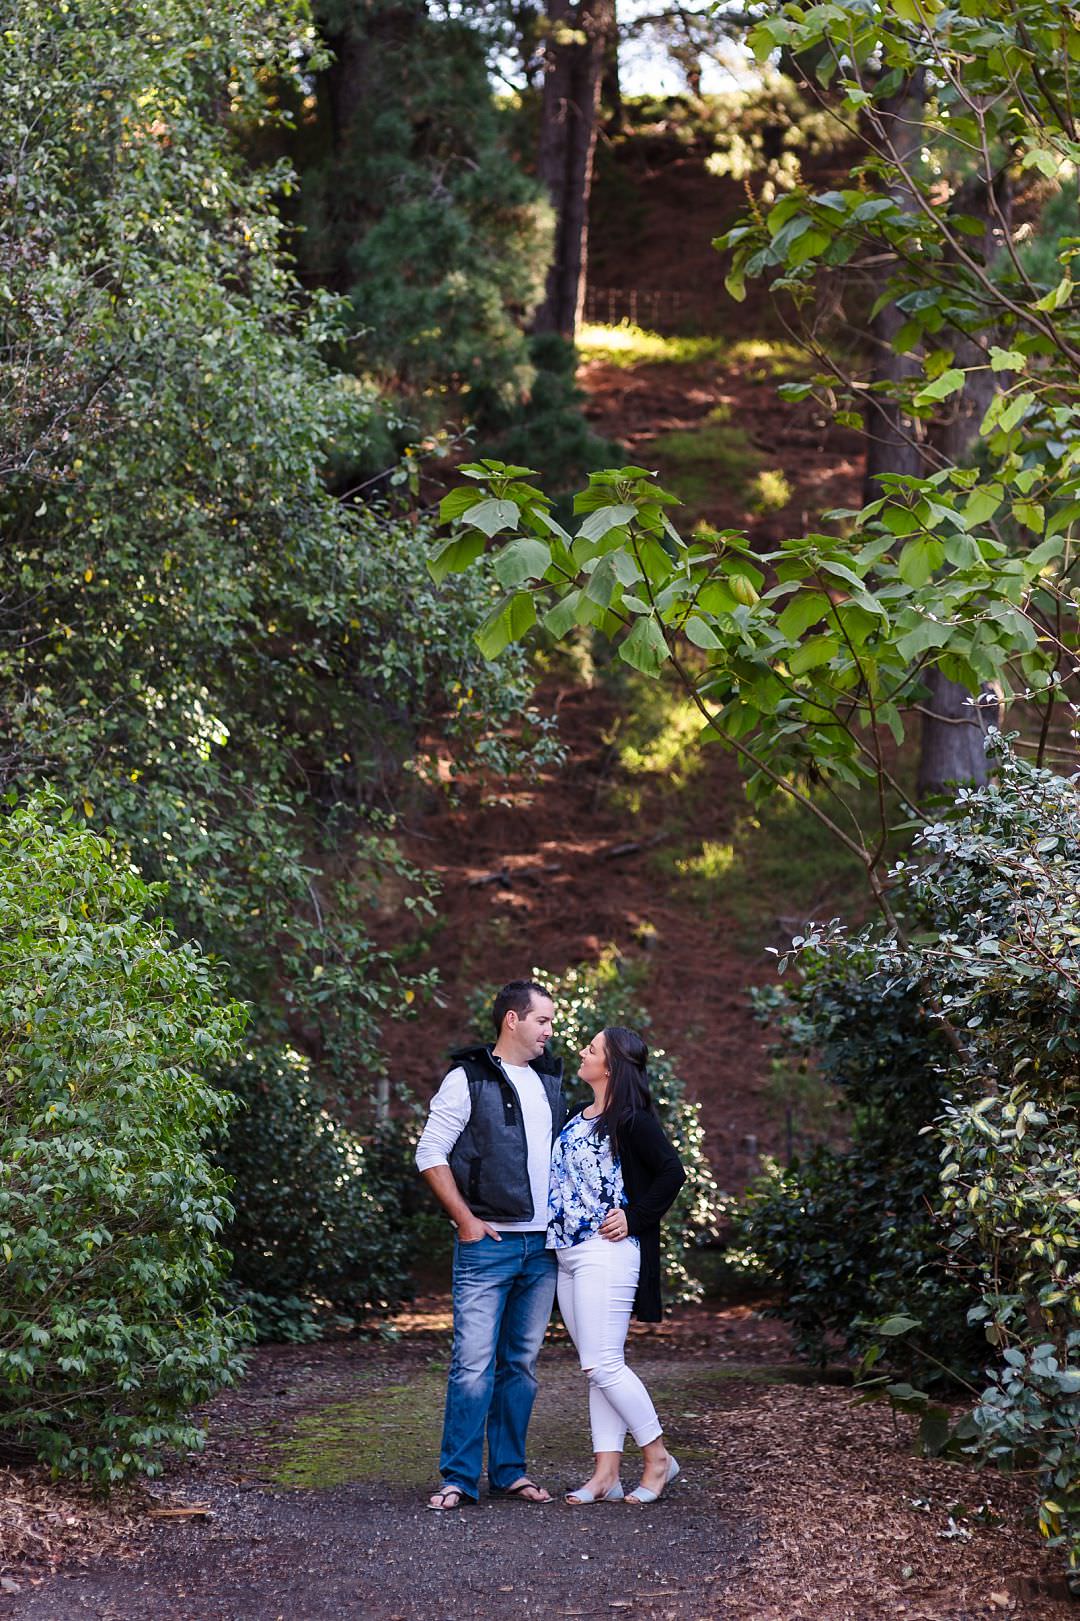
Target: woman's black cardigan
(652, 1175)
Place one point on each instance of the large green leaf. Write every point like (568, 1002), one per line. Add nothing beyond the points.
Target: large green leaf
(645, 648)
(492, 516)
(604, 519)
(809, 654)
(602, 582)
(522, 559)
(563, 616)
(950, 382)
(920, 638)
(701, 633)
(802, 611)
(919, 559)
(508, 621)
(457, 502)
(455, 555)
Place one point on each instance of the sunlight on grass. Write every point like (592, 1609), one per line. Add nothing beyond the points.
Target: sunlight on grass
(769, 491)
(627, 345)
(711, 862)
(671, 748)
(761, 871)
(777, 869)
(624, 344)
(769, 357)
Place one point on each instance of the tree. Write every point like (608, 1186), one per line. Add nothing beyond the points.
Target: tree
(230, 671)
(112, 1321)
(414, 209)
(800, 676)
(923, 224)
(578, 39)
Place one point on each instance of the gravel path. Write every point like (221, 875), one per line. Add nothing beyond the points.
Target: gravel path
(331, 1521)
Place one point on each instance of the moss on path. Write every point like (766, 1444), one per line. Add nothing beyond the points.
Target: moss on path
(336, 1525)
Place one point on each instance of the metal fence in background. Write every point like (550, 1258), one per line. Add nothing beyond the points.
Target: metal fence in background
(660, 309)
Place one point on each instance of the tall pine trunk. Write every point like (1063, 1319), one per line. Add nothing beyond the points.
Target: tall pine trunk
(578, 42)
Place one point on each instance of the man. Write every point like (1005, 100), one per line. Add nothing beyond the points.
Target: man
(486, 1152)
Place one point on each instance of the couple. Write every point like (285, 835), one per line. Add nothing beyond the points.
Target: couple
(539, 1202)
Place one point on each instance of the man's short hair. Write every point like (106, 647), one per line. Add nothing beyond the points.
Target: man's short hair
(516, 997)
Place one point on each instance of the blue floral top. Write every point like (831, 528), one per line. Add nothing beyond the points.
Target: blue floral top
(586, 1184)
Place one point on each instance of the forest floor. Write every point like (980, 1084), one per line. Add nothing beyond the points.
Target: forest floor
(795, 1504)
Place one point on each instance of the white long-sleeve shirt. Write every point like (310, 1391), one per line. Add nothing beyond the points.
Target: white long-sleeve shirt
(450, 1110)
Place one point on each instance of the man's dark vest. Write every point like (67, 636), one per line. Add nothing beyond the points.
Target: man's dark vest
(490, 1160)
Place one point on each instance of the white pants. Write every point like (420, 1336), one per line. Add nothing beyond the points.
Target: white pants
(596, 1286)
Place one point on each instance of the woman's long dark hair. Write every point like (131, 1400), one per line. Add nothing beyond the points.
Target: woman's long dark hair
(628, 1085)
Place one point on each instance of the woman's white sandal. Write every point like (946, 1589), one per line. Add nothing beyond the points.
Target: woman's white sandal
(581, 1495)
(642, 1494)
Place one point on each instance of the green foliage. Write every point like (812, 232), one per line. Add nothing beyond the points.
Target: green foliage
(625, 344)
(766, 133)
(997, 90)
(998, 881)
(320, 1228)
(814, 677)
(848, 1236)
(111, 1319)
(586, 1000)
(413, 206)
(226, 667)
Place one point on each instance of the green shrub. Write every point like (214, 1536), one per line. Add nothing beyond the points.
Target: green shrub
(111, 1323)
(1005, 874)
(235, 672)
(588, 998)
(999, 880)
(321, 1213)
(848, 1236)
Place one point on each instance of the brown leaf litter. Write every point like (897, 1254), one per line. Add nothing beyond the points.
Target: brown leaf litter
(854, 1526)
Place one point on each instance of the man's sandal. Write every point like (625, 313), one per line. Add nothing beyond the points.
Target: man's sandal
(521, 1491)
(448, 1497)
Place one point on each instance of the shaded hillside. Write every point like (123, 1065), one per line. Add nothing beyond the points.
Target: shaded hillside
(655, 209)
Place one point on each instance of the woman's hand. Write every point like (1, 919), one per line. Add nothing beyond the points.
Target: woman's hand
(614, 1226)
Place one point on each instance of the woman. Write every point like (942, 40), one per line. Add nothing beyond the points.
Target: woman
(613, 1175)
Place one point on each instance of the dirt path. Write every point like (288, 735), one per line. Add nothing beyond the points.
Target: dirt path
(796, 1505)
(315, 1483)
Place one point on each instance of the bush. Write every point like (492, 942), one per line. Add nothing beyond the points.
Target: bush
(319, 1225)
(604, 993)
(1005, 874)
(236, 673)
(999, 880)
(111, 1322)
(848, 1236)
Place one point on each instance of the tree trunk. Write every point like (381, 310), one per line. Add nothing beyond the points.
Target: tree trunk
(953, 730)
(347, 88)
(892, 437)
(611, 100)
(576, 51)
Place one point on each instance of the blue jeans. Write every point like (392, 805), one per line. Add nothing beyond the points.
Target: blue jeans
(503, 1294)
